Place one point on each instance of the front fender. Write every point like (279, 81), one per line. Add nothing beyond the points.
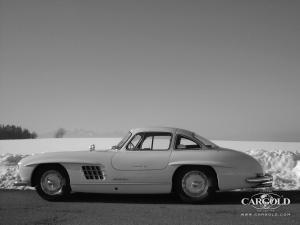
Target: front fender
(80, 157)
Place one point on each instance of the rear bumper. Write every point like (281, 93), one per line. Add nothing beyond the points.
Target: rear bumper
(261, 181)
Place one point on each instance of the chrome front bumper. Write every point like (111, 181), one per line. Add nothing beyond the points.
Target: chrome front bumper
(21, 183)
(261, 181)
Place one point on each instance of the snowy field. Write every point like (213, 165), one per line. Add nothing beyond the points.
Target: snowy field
(281, 159)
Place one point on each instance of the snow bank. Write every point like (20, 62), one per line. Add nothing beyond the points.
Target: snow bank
(284, 166)
(9, 171)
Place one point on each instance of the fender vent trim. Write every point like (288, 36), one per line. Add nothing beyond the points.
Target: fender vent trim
(93, 172)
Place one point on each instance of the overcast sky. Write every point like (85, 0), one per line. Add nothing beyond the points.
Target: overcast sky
(225, 69)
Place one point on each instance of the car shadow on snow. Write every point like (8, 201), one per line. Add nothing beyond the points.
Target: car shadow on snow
(232, 197)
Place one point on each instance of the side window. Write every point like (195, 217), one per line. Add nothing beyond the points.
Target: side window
(186, 143)
(161, 142)
(150, 141)
(133, 143)
(147, 143)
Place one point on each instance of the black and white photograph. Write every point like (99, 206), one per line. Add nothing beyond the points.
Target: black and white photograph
(141, 112)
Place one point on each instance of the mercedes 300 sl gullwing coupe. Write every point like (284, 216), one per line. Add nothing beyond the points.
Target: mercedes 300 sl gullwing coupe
(146, 160)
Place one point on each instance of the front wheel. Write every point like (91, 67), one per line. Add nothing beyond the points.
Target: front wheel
(53, 183)
(194, 185)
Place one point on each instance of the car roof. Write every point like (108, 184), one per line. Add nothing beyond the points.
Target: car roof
(173, 130)
(162, 129)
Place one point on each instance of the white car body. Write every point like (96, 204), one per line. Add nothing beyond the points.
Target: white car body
(148, 171)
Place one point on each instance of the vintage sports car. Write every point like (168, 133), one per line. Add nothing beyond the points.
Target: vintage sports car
(147, 160)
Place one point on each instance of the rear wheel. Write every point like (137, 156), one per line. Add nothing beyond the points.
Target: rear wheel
(194, 185)
(53, 183)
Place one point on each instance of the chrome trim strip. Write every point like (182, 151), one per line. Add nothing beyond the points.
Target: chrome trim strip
(123, 184)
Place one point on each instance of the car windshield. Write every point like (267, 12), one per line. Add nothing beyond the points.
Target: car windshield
(123, 141)
(206, 142)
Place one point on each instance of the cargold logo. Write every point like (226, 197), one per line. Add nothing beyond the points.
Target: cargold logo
(266, 201)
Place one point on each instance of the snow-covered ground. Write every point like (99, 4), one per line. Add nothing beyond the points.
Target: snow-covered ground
(281, 159)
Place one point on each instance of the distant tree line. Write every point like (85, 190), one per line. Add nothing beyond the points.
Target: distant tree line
(15, 132)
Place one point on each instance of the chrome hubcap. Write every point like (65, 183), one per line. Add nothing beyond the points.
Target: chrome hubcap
(52, 182)
(194, 184)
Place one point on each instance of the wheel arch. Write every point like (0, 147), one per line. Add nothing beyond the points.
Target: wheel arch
(41, 166)
(209, 169)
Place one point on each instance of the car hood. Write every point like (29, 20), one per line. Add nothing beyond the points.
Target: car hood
(66, 157)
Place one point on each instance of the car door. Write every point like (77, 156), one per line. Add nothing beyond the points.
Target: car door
(144, 152)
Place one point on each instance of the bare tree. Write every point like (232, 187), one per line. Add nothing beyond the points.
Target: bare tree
(60, 133)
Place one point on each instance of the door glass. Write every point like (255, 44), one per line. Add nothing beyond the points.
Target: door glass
(147, 143)
(161, 142)
(157, 141)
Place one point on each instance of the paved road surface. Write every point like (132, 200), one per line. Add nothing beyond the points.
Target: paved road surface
(26, 207)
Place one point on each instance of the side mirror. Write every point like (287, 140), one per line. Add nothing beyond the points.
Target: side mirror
(114, 147)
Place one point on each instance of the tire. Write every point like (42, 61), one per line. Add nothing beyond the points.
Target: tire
(194, 185)
(53, 183)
